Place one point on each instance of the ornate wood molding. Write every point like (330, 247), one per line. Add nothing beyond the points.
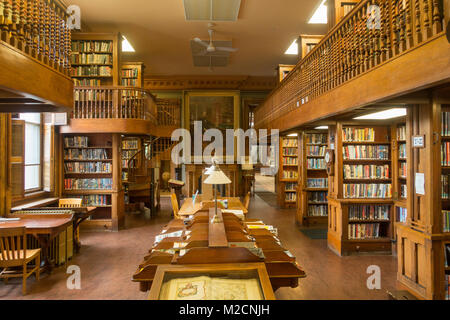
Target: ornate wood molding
(244, 83)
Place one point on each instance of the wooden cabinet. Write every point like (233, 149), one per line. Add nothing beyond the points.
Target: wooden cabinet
(132, 74)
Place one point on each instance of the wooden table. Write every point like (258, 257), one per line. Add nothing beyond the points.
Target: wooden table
(44, 229)
(81, 214)
(234, 203)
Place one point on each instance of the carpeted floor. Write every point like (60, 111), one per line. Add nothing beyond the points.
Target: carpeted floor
(315, 233)
(268, 197)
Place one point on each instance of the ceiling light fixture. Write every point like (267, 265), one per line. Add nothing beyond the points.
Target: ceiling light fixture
(321, 127)
(293, 48)
(320, 15)
(211, 10)
(383, 115)
(126, 45)
(292, 135)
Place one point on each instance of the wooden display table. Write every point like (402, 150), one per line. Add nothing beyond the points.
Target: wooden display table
(187, 209)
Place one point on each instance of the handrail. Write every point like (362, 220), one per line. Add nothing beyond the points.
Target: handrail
(168, 112)
(356, 45)
(38, 28)
(113, 102)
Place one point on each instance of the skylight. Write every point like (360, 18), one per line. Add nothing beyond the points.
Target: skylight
(382, 115)
(126, 46)
(320, 16)
(293, 49)
(321, 128)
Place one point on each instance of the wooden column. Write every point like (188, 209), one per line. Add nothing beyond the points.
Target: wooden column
(5, 199)
(117, 212)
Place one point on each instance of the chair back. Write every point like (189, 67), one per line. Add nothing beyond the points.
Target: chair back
(13, 246)
(173, 198)
(247, 200)
(70, 203)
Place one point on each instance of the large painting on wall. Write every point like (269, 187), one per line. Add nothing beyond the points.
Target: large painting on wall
(213, 112)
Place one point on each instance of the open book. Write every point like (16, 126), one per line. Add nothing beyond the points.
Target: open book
(206, 288)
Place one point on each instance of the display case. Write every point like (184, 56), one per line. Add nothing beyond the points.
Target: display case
(248, 281)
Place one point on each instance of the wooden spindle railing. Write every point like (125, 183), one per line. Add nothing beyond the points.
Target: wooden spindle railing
(38, 28)
(168, 112)
(114, 103)
(353, 47)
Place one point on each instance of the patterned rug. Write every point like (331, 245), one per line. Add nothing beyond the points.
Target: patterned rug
(268, 197)
(315, 233)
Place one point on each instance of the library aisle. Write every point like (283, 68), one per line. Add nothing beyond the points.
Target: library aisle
(108, 259)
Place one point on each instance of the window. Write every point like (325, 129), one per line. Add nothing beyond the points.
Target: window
(33, 146)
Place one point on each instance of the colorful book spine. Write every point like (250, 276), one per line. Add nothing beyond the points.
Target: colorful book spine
(358, 135)
(402, 151)
(401, 133)
(87, 167)
(366, 171)
(402, 213)
(372, 190)
(316, 164)
(315, 151)
(290, 174)
(316, 138)
(446, 220)
(366, 152)
(403, 169)
(317, 182)
(88, 184)
(361, 231)
(290, 197)
(369, 212)
(290, 186)
(318, 211)
(317, 197)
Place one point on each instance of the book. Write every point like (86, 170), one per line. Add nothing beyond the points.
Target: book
(446, 220)
(402, 213)
(351, 134)
(317, 196)
(369, 171)
(317, 182)
(402, 151)
(316, 138)
(401, 133)
(315, 151)
(290, 174)
(364, 152)
(316, 164)
(361, 231)
(88, 184)
(88, 167)
(318, 211)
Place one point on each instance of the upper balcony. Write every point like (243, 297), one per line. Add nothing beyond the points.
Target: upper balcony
(126, 110)
(34, 57)
(381, 50)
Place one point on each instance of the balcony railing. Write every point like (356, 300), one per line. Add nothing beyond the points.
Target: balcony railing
(38, 28)
(114, 103)
(168, 112)
(374, 32)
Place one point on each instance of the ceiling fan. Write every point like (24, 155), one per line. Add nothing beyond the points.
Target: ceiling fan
(210, 48)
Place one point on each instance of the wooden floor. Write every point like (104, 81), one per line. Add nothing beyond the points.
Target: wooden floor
(108, 260)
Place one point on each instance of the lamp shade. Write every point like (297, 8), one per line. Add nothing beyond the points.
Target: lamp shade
(217, 177)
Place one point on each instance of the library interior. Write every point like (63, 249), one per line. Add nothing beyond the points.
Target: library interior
(119, 179)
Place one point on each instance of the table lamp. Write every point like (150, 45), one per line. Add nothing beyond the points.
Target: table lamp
(216, 176)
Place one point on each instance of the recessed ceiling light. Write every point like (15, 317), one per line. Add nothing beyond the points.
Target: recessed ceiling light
(126, 46)
(293, 49)
(292, 135)
(382, 115)
(321, 127)
(211, 10)
(320, 15)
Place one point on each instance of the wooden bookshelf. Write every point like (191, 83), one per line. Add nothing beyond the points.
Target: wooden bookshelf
(422, 239)
(288, 174)
(91, 167)
(132, 74)
(313, 189)
(360, 192)
(130, 147)
(95, 59)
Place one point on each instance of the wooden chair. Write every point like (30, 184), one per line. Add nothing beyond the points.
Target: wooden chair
(247, 200)
(70, 203)
(173, 198)
(14, 253)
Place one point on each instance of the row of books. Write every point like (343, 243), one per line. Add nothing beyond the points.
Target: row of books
(402, 169)
(128, 154)
(130, 144)
(447, 287)
(290, 197)
(401, 133)
(88, 184)
(91, 95)
(96, 200)
(316, 138)
(445, 154)
(289, 151)
(290, 186)
(358, 135)
(126, 164)
(85, 154)
(315, 151)
(91, 46)
(445, 192)
(318, 211)
(88, 167)
(290, 143)
(402, 150)
(403, 191)
(87, 82)
(370, 190)
(290, 174)
(129, 82)
(369, 212)
(124, 175)
(367, 171)
(317, 182)
(364, 152)
(77, 141)
(90, 58)
(130, 73)
(290, 161)
(446, 220)
(97, 71)
(317, 196)
(445, 124)
(402, 213)
(316, 163)
(359, 231)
